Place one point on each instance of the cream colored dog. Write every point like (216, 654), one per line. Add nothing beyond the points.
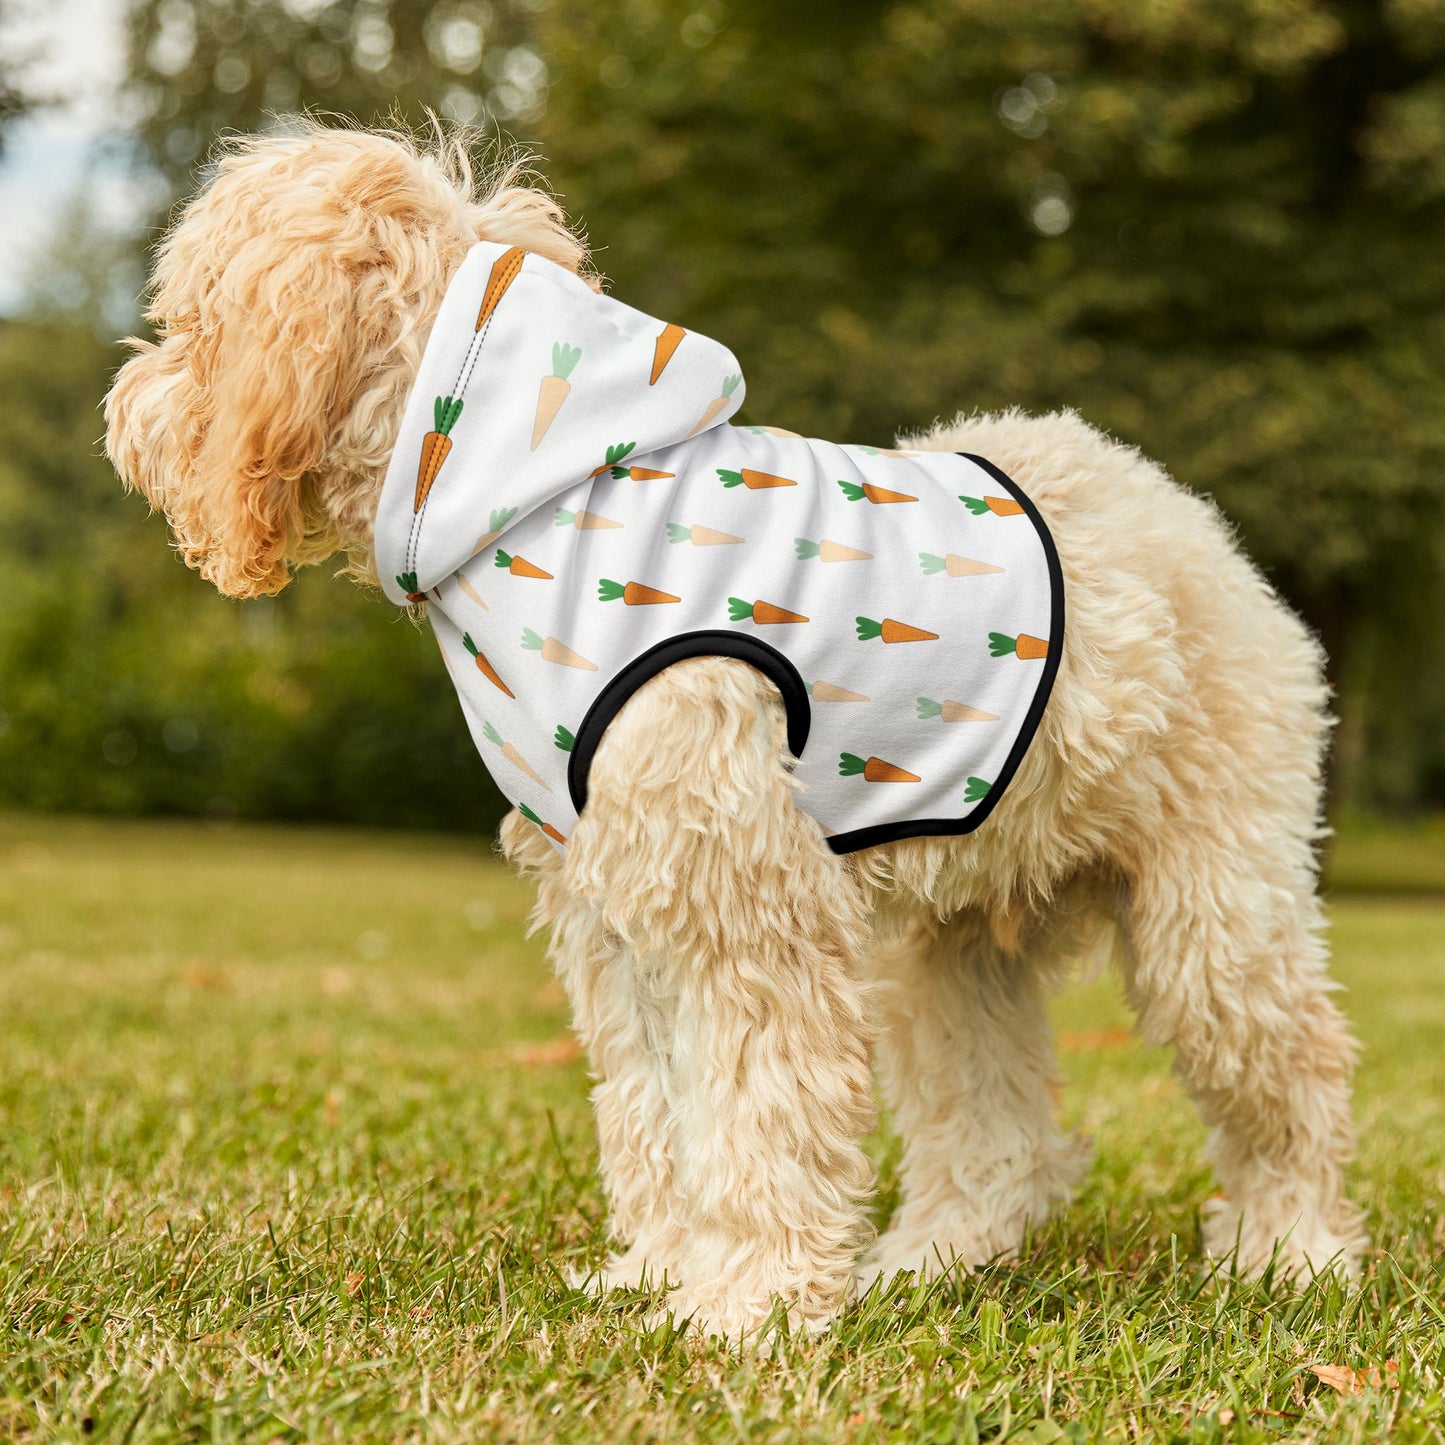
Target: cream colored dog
(731, 977)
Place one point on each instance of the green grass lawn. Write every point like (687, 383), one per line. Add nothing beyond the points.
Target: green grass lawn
(292, 1146)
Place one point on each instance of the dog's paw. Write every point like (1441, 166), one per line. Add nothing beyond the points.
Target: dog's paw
(633, 1270)
(900, 1253)
(1298, 1245)
(756, 1325)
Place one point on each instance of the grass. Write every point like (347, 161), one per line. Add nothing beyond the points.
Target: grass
(292, 1146)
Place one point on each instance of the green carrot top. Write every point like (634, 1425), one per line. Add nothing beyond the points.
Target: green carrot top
(491, 734)
(445, 412)
(617, 451)
(564, 358)
(731, 384)
(500, 517)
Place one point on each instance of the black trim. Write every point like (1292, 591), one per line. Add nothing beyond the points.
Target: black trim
(706, 643)
(781, 672)
(954, 827)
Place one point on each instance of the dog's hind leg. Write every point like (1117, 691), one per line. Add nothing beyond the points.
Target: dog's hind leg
(966, 1059)
(1225, 961)
(694, 855)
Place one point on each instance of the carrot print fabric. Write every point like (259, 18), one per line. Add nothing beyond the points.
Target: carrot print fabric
(571, 499)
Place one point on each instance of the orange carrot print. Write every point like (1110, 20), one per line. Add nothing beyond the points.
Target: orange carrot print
(583, 521)
(668, 340)
(828, 551)
(616, 455)
(520, 567)
(634, 594)
(700, 536)
(496, 525)
(891, 631)
(718, 404)
(879, 495)
(1000, 644)
(483, 666)
(753, 481)
(763, 613)
(554, 389)
(831, 692)
(512, 755)
(954, 565)
(407, 582)
(874, 770)
(953, 711)
(434, 446)
(547, 828)
(999, 506)
(554, 651)
(505, 269)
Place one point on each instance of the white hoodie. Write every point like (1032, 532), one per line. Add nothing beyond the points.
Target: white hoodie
(569, 498)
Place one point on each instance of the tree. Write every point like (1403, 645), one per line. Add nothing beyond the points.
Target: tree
(1217, 229)
(15, 98)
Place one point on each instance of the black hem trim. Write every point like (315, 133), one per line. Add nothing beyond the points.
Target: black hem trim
(644, 667)
(798, 706)
(955, 827)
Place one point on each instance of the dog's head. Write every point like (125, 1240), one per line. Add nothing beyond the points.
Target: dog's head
(291, 301)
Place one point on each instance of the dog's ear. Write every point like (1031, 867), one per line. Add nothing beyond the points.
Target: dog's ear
(270, 364)
(220, 422)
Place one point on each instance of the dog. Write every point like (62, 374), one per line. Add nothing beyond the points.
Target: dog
(731, 976)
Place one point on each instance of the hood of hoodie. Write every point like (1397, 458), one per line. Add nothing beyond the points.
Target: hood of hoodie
(525, 367)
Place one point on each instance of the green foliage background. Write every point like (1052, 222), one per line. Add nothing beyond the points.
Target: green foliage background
(1215, 227)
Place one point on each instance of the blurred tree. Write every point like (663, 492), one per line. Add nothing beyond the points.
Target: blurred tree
(1217, 229)
(15, 98)
(202, 67)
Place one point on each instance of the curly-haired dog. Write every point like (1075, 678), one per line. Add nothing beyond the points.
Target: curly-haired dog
(731, 974)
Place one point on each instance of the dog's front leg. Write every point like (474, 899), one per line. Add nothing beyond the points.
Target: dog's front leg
(741, 929)
(624, 1024)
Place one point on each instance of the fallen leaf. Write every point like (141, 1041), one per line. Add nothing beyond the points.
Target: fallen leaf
(1347, 1381)
(1096, 1041)
(560, 1050)
(354, 1283)
(202, 975)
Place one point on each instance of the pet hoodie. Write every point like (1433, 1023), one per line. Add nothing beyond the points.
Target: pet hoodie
(570, 499)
